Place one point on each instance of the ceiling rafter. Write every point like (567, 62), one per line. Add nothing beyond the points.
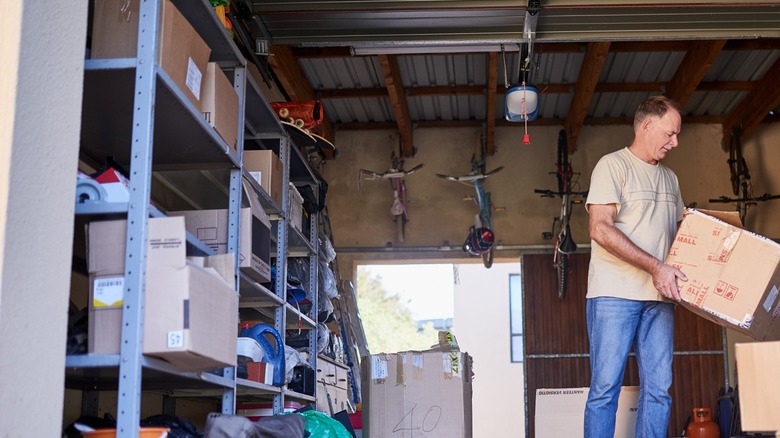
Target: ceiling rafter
(395, 91)
(754, 108)
(490, 111)
(692, 69)
(294, 82)
(595, 56)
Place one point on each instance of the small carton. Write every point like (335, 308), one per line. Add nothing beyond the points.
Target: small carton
(220, 104)
(254, 237)
(266, 168)
(560, 412)
(759, 387)
(190, 309)
(183, 54)
(733, 274)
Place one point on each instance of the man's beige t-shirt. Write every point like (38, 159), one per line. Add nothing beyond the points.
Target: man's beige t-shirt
(649, 206)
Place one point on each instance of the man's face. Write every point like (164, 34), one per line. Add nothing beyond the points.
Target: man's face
(662, 134)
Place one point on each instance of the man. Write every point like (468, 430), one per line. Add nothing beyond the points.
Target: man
(635, 205)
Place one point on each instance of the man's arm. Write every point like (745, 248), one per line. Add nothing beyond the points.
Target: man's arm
(606, 234)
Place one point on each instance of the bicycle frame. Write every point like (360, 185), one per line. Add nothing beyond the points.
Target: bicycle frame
(564, 243)
(740, 180)
(399, 208)
(482, 198)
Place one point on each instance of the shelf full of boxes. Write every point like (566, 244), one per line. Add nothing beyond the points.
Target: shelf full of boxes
(155, 103)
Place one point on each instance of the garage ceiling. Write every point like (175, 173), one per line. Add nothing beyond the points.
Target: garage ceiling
(415, 63)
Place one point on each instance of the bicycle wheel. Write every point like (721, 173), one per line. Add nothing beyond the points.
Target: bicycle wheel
(562, 273)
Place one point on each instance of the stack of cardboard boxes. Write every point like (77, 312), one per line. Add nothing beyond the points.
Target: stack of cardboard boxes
(190, 306)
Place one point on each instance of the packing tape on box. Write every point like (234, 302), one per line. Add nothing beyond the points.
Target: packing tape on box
(88, 190)
(409, 365)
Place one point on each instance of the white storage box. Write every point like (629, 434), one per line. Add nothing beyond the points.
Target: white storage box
(296, 208)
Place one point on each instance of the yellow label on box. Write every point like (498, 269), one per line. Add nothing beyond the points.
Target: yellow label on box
(108, 292)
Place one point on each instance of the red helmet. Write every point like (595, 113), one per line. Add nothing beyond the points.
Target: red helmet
(479, 241)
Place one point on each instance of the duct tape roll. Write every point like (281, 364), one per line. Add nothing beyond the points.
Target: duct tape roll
(88, 190)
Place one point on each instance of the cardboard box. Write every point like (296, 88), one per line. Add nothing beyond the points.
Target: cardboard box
(560, 412)
(759, 387)
(417, 394)
(254, 237)
(266, 168)
(733, 275)
(190, 311)
(220, 104)
(182, 54)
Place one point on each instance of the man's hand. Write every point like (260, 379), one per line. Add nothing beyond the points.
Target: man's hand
(665, 280)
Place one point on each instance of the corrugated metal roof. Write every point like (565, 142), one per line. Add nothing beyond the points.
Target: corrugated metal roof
(358, 72)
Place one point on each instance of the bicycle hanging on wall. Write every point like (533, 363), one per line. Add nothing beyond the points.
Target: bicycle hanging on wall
(399, 208)
(481, 238)
(561, 230)
(740, 180)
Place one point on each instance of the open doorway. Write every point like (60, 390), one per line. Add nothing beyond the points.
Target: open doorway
(402, 308)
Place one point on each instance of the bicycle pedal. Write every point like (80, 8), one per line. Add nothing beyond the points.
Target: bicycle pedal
(547, 235)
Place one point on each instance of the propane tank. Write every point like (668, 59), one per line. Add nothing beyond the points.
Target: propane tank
(702, 425)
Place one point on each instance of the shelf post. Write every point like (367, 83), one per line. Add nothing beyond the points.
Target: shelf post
(131, 350)
(280, 315)
(234, 221)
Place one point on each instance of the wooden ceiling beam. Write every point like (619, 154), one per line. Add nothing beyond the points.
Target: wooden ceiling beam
(294, 82)
(754, 108)
(595, 56)
(397, 95)
(692, 69)
(490, 102)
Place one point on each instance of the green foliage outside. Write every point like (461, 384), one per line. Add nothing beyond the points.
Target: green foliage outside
(388, 322)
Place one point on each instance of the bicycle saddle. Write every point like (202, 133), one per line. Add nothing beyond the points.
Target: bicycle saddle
(567, 246)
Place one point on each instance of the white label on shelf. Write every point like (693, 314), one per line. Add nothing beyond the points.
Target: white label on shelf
(108, 292)
(194, 77)
(176, 339)
(258, 176)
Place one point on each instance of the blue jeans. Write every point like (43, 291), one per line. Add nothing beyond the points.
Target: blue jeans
(614, 325)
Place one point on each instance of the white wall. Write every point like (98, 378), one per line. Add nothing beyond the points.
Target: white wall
(481, 325)
(42, 49)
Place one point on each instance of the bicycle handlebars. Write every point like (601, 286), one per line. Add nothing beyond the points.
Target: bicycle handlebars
(764, 197)
(471, 176)
(546, 193)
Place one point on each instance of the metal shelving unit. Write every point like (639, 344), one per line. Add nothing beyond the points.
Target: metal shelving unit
(134, 112)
